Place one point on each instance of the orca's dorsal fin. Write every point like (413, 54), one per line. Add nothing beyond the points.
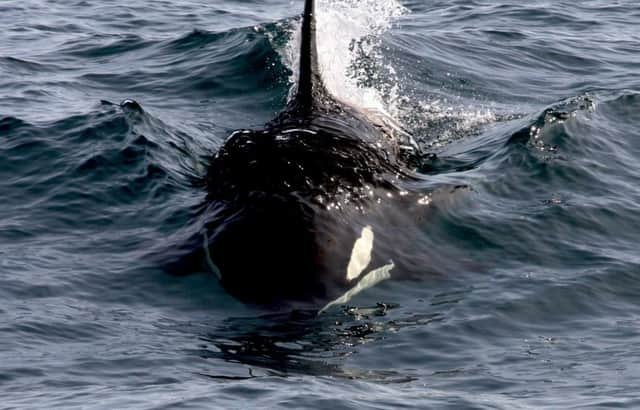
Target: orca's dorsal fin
(310, 86)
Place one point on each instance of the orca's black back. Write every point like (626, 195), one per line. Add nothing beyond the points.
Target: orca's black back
(270, 234)
(266, 251)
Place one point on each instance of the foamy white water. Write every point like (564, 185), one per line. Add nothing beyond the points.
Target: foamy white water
(349, 36)
(355, 70)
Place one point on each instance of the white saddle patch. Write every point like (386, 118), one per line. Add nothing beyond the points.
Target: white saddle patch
(361, 254)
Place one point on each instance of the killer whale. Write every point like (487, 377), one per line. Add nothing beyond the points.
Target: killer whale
(297, 210)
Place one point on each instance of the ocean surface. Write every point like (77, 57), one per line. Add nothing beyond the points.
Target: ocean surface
(109, 110)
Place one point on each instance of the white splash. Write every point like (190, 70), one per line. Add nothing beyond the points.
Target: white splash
(355, 70)
(349, 32)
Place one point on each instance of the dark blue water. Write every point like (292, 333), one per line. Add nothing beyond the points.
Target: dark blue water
(535, 108)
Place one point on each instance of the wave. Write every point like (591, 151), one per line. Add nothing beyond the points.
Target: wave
(549, 188)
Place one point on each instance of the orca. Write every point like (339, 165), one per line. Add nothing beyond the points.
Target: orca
(313, 206)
